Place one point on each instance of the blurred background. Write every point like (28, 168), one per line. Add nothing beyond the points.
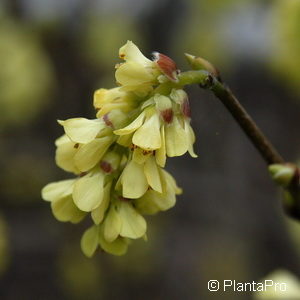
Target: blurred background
(228, 224)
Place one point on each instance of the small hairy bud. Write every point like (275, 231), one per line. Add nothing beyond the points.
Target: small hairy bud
(199, 63)
(166, 65)
(283, 174)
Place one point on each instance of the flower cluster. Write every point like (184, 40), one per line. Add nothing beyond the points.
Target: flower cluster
(118, 157)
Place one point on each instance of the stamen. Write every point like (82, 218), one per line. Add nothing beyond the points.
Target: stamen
(186, 109)
(132, 147)
(123, 199)
(106, 166)
(107, 121)
(167, 115)
(166, 65)
(146, 152)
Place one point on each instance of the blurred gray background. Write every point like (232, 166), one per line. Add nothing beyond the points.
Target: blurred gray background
(228, 224)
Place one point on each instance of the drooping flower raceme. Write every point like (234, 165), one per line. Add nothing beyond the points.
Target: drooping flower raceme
(118, 157)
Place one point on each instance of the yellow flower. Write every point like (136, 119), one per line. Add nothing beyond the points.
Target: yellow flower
(141, 174)
(136, 178)
(138, 73)
(87, 193)
(119, 155)
(79, 195)
(152, 201)
(60, 195)
(106, 100)
(82, 130)
(65, 152)
(92, 191)
(77, 158)
(123, 220)
(121, 223)
(163, 126)
(93, 237)
(86, 141)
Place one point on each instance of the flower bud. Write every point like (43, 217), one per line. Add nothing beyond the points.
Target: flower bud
(198, 63)
(166, 65)
(282, 174)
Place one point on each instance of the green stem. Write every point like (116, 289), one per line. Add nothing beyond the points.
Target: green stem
(200, 77)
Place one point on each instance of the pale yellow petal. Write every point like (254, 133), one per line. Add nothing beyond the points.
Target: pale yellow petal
(61, 140)
(178, 96)
(99, 97)
(98, 213)
(141, 90)
(112, 225)
(133, 180)
(57, 190)
(90, 241)
(89, 155)
(153, 202)
(125, 140)
(65, 210)
(82, 130)
(105, 96)
(117, 247)
(146, 205)
(152, 174)
(147, 103)
(160, 154)
(148, 135)
(170, 182)
(130, 52)
(88, 192)
(132, 73)
(140, 156)
(162, 103)
(191, 138)
(64, 156)
(133, 224)
(176, 139)
(108, 107)
(132, 126)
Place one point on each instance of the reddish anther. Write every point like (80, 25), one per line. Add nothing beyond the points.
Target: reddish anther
(107, 121)
(167, 115)
(186, 109)
(123, 199)
(106, 166)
